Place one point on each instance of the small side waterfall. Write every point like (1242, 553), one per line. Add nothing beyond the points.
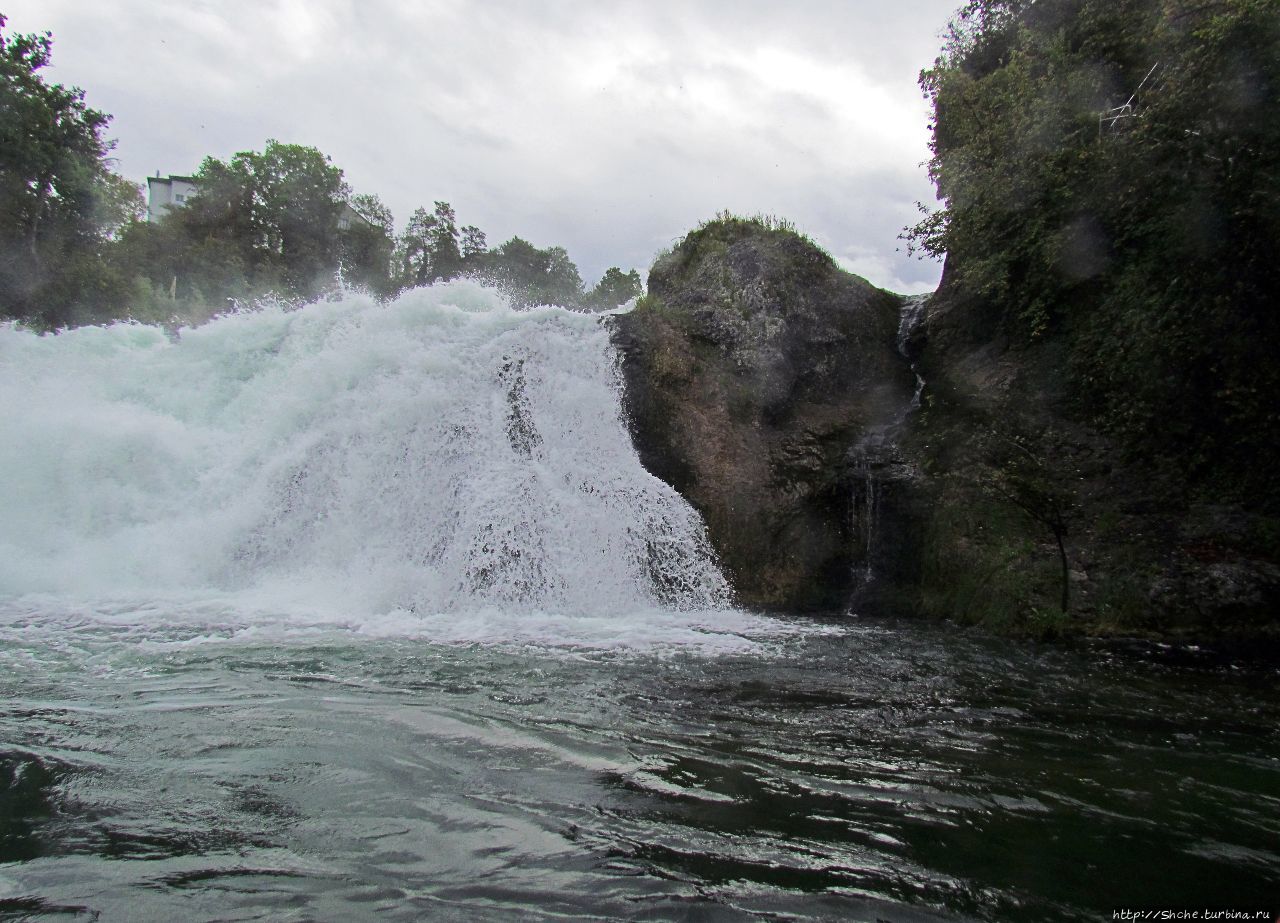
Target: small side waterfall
(875, 463)
(866, 511)
(908, 324)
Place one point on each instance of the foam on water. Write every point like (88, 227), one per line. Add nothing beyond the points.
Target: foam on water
(443, 460)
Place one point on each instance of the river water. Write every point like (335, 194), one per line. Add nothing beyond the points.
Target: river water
(369, 612)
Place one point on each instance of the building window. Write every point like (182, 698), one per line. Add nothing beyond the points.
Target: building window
(180, 198)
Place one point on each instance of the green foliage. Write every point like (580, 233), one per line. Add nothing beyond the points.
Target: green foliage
(531, 276)
(985, 565)
(615, 288)
(117, 204)
(1149, 243)
(805, 262)
(433, 249)
(59, 203)
(473, 242)
(759, 219)
(1021, 470)
(281, 222)
(278, 210)
(726, 220)
(1003, 514)
(429, 250)
(365, 245)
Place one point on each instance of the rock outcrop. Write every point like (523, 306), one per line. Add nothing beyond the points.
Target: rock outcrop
(775, 392)
(754, 367)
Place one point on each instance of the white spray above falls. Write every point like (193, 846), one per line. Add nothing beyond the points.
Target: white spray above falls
(442, 453)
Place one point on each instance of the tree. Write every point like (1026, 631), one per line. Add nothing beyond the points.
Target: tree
(59, 202)
(413, 251)
(374, 211)
(1018, 469)
(473, 242)
(446, 259)
(614, 288)
(279, 210)
(279, 221)
(562, 284)
(428, 250)
(1148, 246)
(533, 276)
(366, 245)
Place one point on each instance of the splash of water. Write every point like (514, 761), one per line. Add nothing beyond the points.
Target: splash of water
(440, 454)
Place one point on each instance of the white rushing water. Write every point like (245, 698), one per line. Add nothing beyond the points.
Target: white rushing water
(443, 460)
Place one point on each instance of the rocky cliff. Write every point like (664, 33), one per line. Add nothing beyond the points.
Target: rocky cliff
(775, 392)
(1036, 522)
(754, 368)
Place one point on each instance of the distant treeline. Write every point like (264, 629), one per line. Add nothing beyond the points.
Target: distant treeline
(76, 248)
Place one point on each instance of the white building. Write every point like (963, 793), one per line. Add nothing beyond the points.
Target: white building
(165, 192)
(350, 216)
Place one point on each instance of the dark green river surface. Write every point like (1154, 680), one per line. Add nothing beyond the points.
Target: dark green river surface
(828, 770)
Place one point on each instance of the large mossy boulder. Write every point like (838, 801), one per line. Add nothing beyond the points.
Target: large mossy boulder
(753, 367)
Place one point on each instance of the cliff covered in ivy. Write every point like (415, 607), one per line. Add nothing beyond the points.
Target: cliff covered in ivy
(1102, 422)
(1110, 172)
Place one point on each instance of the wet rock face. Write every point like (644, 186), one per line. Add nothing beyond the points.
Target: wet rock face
(751, 369)
(1147, 553)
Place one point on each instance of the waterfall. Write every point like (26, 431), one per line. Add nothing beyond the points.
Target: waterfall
(867, 460)
(875, 463)
(437, 454)
(909, 321)
(867, 514)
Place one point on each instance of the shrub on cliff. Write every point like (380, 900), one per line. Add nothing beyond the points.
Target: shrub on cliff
(1110, 177)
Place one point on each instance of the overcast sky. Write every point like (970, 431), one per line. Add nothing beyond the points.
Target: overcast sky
(608, 128)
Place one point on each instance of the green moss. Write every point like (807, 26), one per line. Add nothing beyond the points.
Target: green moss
(1124, 606)
(1263, 536)
(711, 241)
(648, 304)
(986, 564)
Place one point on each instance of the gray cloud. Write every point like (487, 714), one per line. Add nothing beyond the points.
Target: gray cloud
(607, 128)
